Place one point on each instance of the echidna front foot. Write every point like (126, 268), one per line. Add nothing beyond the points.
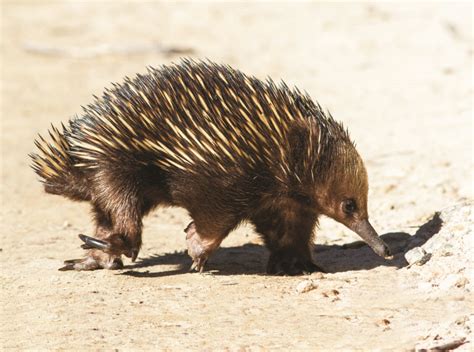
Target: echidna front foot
(291, 264)
(94, 260)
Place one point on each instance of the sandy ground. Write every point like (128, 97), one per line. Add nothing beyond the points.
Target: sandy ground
(399, 76)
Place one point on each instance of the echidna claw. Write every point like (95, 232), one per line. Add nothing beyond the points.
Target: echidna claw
(93, 262)
(198, 265)
(69, 264)
(201, 268)
(134, 255)
(87, 263)
(67, 267)
(91, 242)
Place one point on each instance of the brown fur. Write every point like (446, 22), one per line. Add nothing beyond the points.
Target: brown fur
(225, 146)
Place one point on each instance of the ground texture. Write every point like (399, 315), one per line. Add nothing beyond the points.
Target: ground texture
(398, 76)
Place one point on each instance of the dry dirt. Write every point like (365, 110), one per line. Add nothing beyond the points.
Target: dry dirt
(399, 76)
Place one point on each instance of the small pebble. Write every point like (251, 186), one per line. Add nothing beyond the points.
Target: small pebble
(305, 286)
(317, 275)
(384, 324)
(417, 256)
(462, 282)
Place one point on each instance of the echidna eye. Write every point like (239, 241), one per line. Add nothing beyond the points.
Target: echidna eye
(349, 206)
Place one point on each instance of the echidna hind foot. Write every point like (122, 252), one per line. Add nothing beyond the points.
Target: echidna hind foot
(199, 249)
(94, 260)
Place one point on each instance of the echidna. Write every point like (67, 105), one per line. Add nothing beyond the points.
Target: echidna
(223, 145)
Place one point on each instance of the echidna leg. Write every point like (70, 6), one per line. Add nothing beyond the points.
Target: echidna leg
(202, 240)
(288, 236)
(126, 237)
(96, 258)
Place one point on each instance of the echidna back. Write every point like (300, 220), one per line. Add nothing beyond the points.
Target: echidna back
(196, 117)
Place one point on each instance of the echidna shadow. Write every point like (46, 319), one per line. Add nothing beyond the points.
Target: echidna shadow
(250, 259)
